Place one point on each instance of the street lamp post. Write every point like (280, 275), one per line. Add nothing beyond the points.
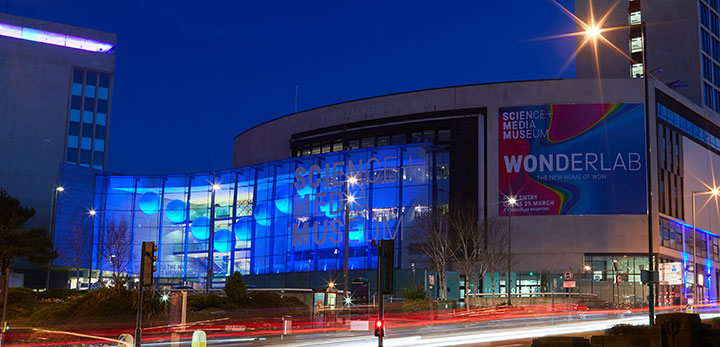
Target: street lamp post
(349, 198)
(58, 189)
(511, 202)
(714, 192)
(92, 214)
(211, 237)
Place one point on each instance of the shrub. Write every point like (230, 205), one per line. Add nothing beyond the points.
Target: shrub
(236, 290)
(200, 302)
(627, 329)
(273, 300)
(415, 306)
(414, 292)
(21, 297)
(59, 293)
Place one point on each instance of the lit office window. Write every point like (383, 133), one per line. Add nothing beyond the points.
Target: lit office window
(636, 44)
(636, 71)
(635, 18)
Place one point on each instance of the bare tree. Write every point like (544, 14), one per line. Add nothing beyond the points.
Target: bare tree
(494, 245)
(117, 247)
(467, 235)
(77, 245)
(435, 243)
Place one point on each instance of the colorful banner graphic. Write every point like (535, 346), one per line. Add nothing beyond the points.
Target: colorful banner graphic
(572, 159)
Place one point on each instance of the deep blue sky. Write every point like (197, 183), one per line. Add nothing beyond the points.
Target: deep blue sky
(191, 75)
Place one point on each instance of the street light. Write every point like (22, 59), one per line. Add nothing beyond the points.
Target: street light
(211, 238)
(92, 214)
(511, 201)
(58, 189)
(714, 192)
(349, 199)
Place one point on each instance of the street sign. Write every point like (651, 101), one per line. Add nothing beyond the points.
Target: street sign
(671, 273)
(569, 284)
(568, 275)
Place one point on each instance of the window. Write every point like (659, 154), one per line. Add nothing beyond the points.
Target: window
(100, 118)
(77, 89)
(636, 44)
(635, 18)
(74, 129)
(383, 141)
(91, 78)
(76, 102)
(337, 146)
(416, 137)
(100, 132)
(87, 131)
(398, 139)
(77, 76)
(87, 117)
(104, 80)
(75, 115)
(429, 136)
(99, 145)
(102, 106)
(90, 91)
(85, 158)
(89, 104)
(367, 142)
(72, 141)
(443, 136)
(636, 71)
(98, 159)
(326, 148)
(353, 144)
(86, 142)
(72, 155)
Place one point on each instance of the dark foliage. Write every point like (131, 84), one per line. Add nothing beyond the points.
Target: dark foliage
(201, 302)
(414, 292)
(35, 244)
(273, 300)
(627, 329)
(236, 290)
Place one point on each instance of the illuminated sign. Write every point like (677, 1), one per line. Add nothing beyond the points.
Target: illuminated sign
(572, 159)
(329, 191)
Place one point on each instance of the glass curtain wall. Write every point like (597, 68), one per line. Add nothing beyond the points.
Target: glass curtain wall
(276, 217)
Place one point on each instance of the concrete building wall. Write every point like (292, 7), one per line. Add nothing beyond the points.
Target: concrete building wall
(34, 95)
(551, 243)
(672, 42)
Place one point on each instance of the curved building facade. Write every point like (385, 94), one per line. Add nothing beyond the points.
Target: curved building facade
(592, 175)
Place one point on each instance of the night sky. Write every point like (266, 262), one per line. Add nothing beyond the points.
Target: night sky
(191, 75)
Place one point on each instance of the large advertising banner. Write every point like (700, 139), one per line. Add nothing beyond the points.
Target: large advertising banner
(572, 159)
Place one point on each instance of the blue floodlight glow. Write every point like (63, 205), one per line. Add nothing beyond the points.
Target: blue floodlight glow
(262, 214)
(52, 38)
(200, 228)
(175, 211)
(243, 229)
(149, 203)
(222, 242)
(283, 202)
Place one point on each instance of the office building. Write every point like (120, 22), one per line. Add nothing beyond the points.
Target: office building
(55, 97)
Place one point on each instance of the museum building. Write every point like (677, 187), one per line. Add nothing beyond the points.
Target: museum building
(573, 153)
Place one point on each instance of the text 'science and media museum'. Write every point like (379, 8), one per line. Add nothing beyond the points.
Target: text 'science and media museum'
(572, 152)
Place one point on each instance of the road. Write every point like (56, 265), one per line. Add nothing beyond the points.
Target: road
(508, 331)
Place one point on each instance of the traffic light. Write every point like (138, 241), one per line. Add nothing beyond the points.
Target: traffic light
(386, 264)
(147, 267)
(379, 328)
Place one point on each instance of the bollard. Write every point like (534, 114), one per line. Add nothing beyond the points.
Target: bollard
(287, 325)
(199, 339)
(126, 340)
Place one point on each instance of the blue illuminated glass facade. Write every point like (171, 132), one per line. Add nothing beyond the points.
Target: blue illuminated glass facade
(278, 217)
